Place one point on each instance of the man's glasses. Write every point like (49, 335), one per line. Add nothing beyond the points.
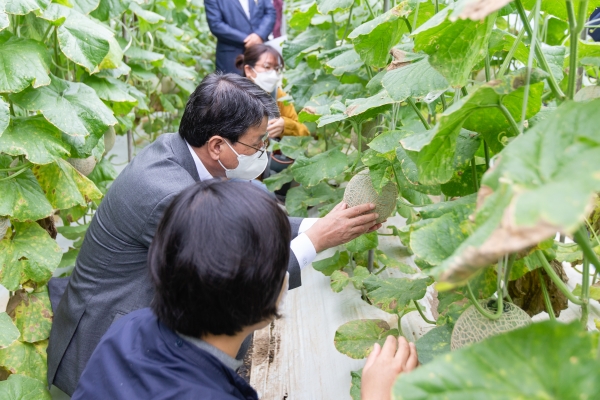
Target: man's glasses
(265, 144)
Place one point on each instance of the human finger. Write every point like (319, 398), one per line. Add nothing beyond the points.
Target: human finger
(362, 220)
(371, 358)
(389, 347)
(339, 206)
(413, 358)
(374, 227)
(402, 353)
(358, 210)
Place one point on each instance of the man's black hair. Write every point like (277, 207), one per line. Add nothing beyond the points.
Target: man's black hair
(226, 105)
(219, 258)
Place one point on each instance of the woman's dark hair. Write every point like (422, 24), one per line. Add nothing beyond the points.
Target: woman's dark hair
(226, 105)
(219, 258)
(253, 53)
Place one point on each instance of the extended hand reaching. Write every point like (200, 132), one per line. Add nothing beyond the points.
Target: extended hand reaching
(384, 365)
(341, 225)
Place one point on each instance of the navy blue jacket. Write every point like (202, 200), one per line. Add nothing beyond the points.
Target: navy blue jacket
(230, 25)
(140, 358)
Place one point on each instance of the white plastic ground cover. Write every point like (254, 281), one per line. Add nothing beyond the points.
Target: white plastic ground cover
(295, 358)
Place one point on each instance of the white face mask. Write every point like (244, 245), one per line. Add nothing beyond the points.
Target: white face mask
(249, 167)
(267, 80)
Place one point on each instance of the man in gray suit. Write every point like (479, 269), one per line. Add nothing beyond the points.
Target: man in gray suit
(221, 134)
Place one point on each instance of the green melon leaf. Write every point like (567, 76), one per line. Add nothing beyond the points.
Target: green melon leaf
(392, 262)
(110, 89)
(301, 16)
(374, 39)
(310, 40)
(334, 263)
(22, 7)
(8, 331)
(27, 359)
(138, 54)
(35, 138)
(327, 6)
(299, 198)
(81, 39)
(276, 182)
(524, 367)
(559, 158)
(347, 62)
(415, 80)
(65, 187)
(311, 171)
(148, 16)
(392, 295)
(339, 280)
(478, 112)
(367, 241)
(72, 107)
(434, 343)
(23, 62)
(33, 316)
(357, 338)
(83, 6)
(32, 242)
(20, 387)
(454, 47)
(108, 9)
(22, 197)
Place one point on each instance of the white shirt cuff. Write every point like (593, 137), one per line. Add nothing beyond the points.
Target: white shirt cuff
(306, 224)
(303, 249)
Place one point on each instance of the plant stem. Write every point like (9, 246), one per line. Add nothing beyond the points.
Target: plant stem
(509, 265)
(437, 6)
(19, 172)
(18, 167)
(509, 118)
(533, 44)
(348, 23)
(583, 241)
(370, 260)
(487, 66)
(474, 174)
(538, 52)
(483, 312)
(385, 266)
(370, 9)
(416, 16)
(419, 114)
(486, 151)
(575, 28)
(511, 53)
(556, 279)
(444, 105)
(547, 301)
(585, 292)
(422, 314)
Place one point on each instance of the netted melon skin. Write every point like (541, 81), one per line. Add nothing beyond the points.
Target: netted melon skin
(360, 190)
(4, 224)
(472, 327)
(85, 166)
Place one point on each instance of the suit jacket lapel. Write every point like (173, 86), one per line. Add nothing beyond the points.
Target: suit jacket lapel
(237, 4)
(183, 156)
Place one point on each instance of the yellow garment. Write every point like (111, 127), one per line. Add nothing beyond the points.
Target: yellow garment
(291, 125)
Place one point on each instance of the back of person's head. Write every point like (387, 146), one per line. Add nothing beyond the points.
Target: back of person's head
(226, 105)
(219, 258)
(253, 53)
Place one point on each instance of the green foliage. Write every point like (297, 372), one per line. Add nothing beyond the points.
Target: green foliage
(547, 360)
(69, 71)
(434, 343)
(357, 338)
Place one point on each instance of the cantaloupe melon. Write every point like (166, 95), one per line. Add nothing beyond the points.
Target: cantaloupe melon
(85, 166)
(473, 327)
(360, 190)
(4, 224)
(109, 139)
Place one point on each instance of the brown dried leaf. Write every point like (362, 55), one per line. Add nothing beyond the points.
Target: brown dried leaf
(526, 292)
(399, 60)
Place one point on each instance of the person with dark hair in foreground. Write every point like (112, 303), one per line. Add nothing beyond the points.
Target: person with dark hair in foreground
(221, 135)
(218, 263)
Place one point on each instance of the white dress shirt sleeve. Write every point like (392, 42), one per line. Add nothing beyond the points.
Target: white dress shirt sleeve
(301, 246)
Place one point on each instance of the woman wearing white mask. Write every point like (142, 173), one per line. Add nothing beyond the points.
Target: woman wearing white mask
(263, 65)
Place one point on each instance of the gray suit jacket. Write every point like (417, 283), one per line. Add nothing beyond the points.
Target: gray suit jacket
(110, 278)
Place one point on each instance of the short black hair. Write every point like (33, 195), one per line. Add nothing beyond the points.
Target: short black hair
(226, 105)
(219, 258)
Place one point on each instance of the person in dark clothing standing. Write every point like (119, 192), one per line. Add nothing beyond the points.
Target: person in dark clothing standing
(238, 24)
(218, 264)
